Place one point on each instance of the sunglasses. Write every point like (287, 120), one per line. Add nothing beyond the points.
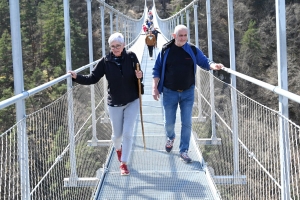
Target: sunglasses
(116, 47)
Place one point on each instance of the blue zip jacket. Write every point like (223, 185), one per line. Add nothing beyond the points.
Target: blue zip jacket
(160, 65)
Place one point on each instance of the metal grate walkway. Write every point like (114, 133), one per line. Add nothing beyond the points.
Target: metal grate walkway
(154, 173)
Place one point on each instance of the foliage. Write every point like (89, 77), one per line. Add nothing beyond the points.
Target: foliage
(5, 60)
(250, 39)
(7, 118)
(4, 16)
(250, 50)
(43, 49)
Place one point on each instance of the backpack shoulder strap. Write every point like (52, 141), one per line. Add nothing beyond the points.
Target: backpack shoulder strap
(165, 47)
(130, 53)
(193, 48)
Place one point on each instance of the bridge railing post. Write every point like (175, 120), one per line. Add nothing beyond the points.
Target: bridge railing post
(188, 24)
(214, 138)
(91, 59)
(117, 22)
(235, 131)
(111, 20)
(73, 173)
(105, 119)
(198, 82)
(283, 101)
(20, 105)
(196, 23)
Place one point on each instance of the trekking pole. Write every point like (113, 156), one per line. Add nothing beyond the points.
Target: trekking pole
(140, 97)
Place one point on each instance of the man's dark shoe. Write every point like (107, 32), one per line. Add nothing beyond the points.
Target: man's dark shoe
(185, 157)
(169, 145)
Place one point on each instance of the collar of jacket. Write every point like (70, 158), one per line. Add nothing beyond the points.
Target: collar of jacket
(109, 57)
(168, 44)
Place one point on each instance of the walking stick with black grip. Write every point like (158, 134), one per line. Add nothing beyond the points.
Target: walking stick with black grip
(140, 97)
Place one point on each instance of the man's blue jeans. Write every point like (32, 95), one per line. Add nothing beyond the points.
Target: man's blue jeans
(185, 100)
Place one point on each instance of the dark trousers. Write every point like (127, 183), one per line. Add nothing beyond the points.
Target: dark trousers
(156, 40)
(150, 49)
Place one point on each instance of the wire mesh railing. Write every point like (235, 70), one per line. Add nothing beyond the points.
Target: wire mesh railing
(253, 172)
(9, 165)
(259, 167)
(119, 22)
(49, 161)
(48, 149)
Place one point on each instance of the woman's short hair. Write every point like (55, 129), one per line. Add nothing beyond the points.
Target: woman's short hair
(116, 37)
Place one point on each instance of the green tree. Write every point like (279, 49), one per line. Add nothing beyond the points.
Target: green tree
(46, 44)
(28, 17)
(53, 40)
(6, 72)
(4, 16)
(6, 81)
(250, 39)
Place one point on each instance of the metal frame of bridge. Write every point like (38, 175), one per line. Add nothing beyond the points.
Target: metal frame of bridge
(154, 173)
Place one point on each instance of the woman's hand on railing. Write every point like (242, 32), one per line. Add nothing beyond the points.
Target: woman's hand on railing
(73, 74)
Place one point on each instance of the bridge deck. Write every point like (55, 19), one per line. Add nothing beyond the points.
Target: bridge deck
(154, 173)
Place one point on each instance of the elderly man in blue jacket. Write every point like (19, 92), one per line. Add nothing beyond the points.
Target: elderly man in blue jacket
(174, 76)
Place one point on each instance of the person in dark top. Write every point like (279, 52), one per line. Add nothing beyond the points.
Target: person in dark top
(174, 76)
(123, 103)
(155, 32)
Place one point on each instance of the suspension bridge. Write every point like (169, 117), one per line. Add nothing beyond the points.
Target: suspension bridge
(241, 148)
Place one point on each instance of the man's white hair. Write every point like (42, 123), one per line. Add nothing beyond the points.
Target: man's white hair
(116, 37)
(179, 28)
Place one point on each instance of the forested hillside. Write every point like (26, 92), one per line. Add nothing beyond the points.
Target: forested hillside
(43, 45)
(255, 45)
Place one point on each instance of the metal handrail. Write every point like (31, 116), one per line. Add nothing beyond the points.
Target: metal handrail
(265, 85)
